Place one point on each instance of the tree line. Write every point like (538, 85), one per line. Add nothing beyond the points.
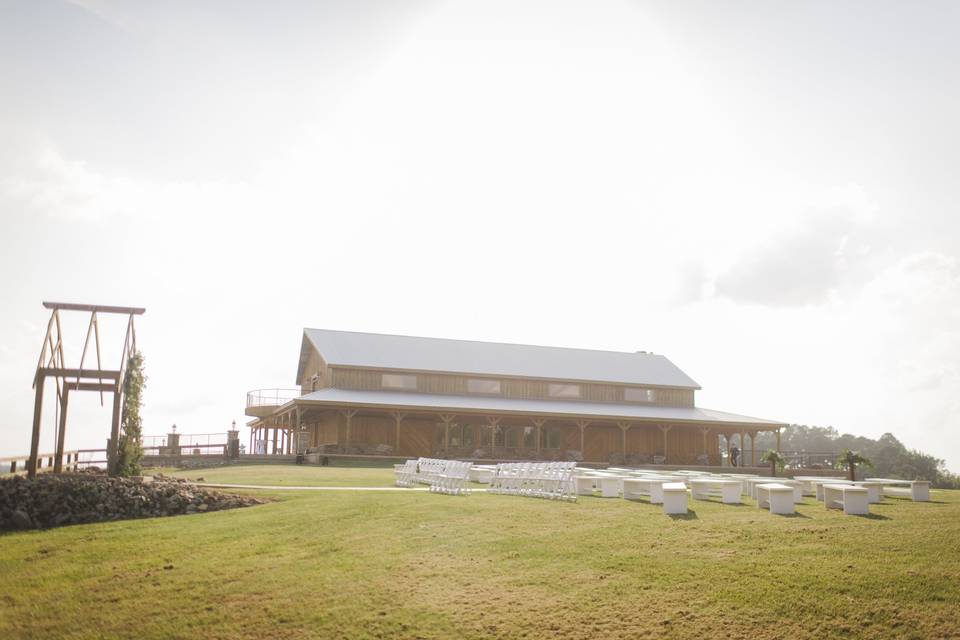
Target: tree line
(889, 456)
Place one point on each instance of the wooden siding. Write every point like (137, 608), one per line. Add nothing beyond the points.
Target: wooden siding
(434, 383)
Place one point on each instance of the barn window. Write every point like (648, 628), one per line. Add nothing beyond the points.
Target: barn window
(481, 385)
(398, 381)
(632, 394)
(550, 437)
(556, 390)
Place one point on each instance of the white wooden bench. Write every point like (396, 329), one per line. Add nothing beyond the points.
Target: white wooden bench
(851, 498)
(727, 490)
(584, 485)
(874, 490)
(808, 484)
(674, 498)
(635, 488)
(777, 497)
(916, 490)
(819, 484)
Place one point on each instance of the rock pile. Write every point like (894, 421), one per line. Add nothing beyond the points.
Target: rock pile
(53, 500)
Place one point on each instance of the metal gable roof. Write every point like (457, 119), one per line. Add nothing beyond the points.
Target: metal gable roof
(382, 351)
(606, 410)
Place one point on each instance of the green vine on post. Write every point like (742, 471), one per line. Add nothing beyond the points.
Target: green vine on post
(131, 424)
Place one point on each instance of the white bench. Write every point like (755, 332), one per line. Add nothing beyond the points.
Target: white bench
(584, 485)
(674, 498)
(634, 488)
(704, 488)
(916, 490)
(610, 486)
(809, 483)
(851, 498)
(753, 482)
(819, 484)
(777, 497)
(874, 490)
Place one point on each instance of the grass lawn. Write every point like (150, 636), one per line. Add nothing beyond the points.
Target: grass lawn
(293, 476)
(420, 565)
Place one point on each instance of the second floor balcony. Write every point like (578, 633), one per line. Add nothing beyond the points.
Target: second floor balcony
(262, 402)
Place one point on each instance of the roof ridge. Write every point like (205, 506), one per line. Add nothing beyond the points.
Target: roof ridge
(475, 341)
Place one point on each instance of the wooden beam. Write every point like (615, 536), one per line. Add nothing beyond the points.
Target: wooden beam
(97, 374)
(113, 455)
(398, 417)
(61, 429)
(70, 306)
(624, 427)
(538, 423)
(583, 424)
(35, 438)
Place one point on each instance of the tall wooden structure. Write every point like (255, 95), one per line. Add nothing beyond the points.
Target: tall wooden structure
(52, 364)
(373, 394)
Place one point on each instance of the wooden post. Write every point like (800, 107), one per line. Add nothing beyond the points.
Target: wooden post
(705, 431)
(276, 434)
(583, 427)
(446, 419)
(61, 429)
(743, 447)
(753, 449)
(114, 453)
(35, 438)
(538, 423)
(494, 422)
(398, 417)
(665, 429)
(348, 414)
(624, 427)
(778, 440)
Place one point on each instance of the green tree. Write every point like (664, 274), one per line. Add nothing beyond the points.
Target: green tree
(850, 460)
(131, 425)
(775, 460)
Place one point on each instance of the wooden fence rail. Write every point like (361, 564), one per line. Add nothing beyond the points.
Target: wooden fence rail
(72, 461)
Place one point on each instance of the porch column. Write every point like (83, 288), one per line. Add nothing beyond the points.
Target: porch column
(753, 449)
(538, 423)
(446, 419)
(705, 431)
(624, 427)
(348, 414)
(61, 429)
(276, 429)
(664, 429)
(398, 417)
(494, 423)
(778, 440)
(582, 424)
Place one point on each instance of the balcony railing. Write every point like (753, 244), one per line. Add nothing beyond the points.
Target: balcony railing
(271, 397)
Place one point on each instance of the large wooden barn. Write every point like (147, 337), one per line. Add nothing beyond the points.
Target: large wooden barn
(375, 394)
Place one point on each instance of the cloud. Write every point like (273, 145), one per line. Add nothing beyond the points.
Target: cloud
(800, 266)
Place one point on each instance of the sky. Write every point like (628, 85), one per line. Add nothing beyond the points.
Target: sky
(764, 192)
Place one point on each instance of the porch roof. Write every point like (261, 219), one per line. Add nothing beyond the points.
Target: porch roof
(554, 408)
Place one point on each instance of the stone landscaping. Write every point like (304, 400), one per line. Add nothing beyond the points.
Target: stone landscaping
(54, 500)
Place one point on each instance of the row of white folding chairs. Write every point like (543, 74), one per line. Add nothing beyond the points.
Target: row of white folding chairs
(552, 480)
(428, 468)
(452, 479)
(405, 474)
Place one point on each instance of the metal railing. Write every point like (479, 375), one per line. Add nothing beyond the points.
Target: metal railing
(271, 397)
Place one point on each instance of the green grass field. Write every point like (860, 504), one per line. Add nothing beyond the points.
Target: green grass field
(419, 565)
(292, 476)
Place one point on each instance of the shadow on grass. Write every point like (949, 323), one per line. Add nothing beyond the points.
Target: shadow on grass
(689, 515)
(795, 514)
(874, 516)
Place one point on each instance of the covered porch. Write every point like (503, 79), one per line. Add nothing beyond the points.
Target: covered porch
(308, 427)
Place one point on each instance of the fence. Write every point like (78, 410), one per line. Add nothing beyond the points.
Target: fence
(72, 461)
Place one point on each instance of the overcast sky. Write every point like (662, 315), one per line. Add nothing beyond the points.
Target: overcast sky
(764, 192)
